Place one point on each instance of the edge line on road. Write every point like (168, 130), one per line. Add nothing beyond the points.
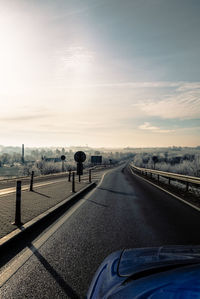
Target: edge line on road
(166, 191)
(16, 264)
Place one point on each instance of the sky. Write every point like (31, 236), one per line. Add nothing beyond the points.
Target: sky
(102, 73)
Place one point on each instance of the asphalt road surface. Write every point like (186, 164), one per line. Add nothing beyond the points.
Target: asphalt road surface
(124, 211)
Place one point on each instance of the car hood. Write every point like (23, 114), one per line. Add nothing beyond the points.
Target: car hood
(161, 272)
(133, 261)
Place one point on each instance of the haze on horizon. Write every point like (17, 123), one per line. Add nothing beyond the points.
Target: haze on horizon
(107, 73)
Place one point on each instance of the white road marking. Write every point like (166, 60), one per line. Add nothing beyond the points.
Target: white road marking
(6, 191)
(177, 197)
(20, 260)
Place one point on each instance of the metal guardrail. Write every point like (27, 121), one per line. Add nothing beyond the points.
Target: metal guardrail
(170, 175)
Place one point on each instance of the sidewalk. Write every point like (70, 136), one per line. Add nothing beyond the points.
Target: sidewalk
(34, 203)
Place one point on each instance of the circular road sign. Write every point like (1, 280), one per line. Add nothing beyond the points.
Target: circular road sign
(80, 156)
(63, 157)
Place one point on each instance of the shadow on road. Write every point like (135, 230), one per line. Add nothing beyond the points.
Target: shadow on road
(99, 204)
(41, 194)
(117, 192)
(65, 287)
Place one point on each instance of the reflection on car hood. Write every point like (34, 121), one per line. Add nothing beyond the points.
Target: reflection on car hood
(156, 273)
(134, 260)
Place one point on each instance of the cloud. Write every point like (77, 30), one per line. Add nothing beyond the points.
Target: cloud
(183, 106)
(147, 126)
(177, 86)
(22, 118)
(181, 102)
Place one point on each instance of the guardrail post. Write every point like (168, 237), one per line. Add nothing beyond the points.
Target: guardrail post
(69, 176)
(31, 182)
(187, 180)
(18, 204)
(90, 175)
(73, 182)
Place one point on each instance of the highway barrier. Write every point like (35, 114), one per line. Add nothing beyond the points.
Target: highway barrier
(169, 175)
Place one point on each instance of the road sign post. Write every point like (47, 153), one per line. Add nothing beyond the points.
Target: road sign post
(79, 170)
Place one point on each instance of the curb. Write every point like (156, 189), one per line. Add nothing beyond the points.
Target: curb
(68, 202)
(166, 191)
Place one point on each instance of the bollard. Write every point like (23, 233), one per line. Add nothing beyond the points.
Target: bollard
(169, 181)
(31, 182)
(90, 175)
(18, 204)
(69, 176)
(73, 182)
(63, 167)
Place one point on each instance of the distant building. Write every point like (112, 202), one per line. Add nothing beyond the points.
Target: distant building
(55, 160)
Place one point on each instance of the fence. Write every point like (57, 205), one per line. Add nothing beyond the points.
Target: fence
(171, 176)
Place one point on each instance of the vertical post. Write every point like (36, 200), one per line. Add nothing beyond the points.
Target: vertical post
(62, 165)
(187, 186)
(18, 204)
(22, 153)
(169, 181)
(90, 175)
(31, 182)
(69, 176)
(73, 182)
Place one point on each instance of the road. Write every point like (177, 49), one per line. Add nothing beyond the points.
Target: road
(124, 211)
(9, 186)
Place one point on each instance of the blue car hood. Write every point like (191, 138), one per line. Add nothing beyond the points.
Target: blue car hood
(141, 259)
(156, 273)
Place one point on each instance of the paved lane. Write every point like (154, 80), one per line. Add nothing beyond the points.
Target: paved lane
(124, 211)
(44, 181)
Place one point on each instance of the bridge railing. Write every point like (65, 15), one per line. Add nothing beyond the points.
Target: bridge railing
(169, 175)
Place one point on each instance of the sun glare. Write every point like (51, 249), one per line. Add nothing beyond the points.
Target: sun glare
(15, 55)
